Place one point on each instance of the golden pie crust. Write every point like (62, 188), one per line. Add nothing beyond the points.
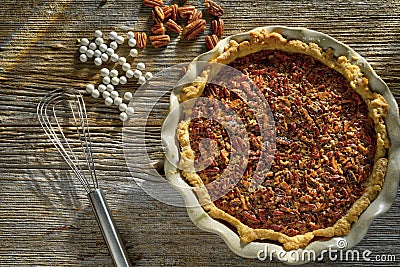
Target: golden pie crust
(377, 106)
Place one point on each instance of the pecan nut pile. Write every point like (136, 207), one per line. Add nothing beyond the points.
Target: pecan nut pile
(195, 24)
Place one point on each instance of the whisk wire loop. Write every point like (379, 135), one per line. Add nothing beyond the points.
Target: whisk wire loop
(48, 118)
(86, 143)
(51, 124)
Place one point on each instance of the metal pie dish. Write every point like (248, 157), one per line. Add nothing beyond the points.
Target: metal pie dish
(359, 229)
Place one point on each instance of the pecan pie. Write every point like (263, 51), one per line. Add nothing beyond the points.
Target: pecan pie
(331, 142)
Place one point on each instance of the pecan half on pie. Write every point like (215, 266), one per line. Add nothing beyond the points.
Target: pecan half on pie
(331, 142)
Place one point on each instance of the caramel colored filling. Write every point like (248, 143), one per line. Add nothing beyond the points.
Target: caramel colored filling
(325, 144)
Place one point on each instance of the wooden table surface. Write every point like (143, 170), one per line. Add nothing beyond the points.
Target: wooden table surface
(45, 217)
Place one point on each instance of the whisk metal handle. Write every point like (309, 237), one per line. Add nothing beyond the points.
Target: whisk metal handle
(108, 228)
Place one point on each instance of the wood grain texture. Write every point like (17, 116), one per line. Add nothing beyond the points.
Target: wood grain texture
(45, 217)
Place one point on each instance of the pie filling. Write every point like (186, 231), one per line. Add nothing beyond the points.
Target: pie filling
(324, 144)
(329, 161)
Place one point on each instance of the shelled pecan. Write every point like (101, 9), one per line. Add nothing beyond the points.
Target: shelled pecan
(211, 41)
(217, 27)
(196, 14)
(157, 14)
(173, 26)
(153, 3)
(141, 39)
(158, 29)
(193, 29)
(186, 11)
(213, 8)
(159, 40)
(167, 11)
(174, 12)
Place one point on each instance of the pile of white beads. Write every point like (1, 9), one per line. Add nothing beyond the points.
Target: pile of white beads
(95, 49)
(101, 53)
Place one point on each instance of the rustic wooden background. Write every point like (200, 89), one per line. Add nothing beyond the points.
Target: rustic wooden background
(45, 217)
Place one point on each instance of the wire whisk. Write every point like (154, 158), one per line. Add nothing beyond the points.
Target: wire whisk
(62, 115)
